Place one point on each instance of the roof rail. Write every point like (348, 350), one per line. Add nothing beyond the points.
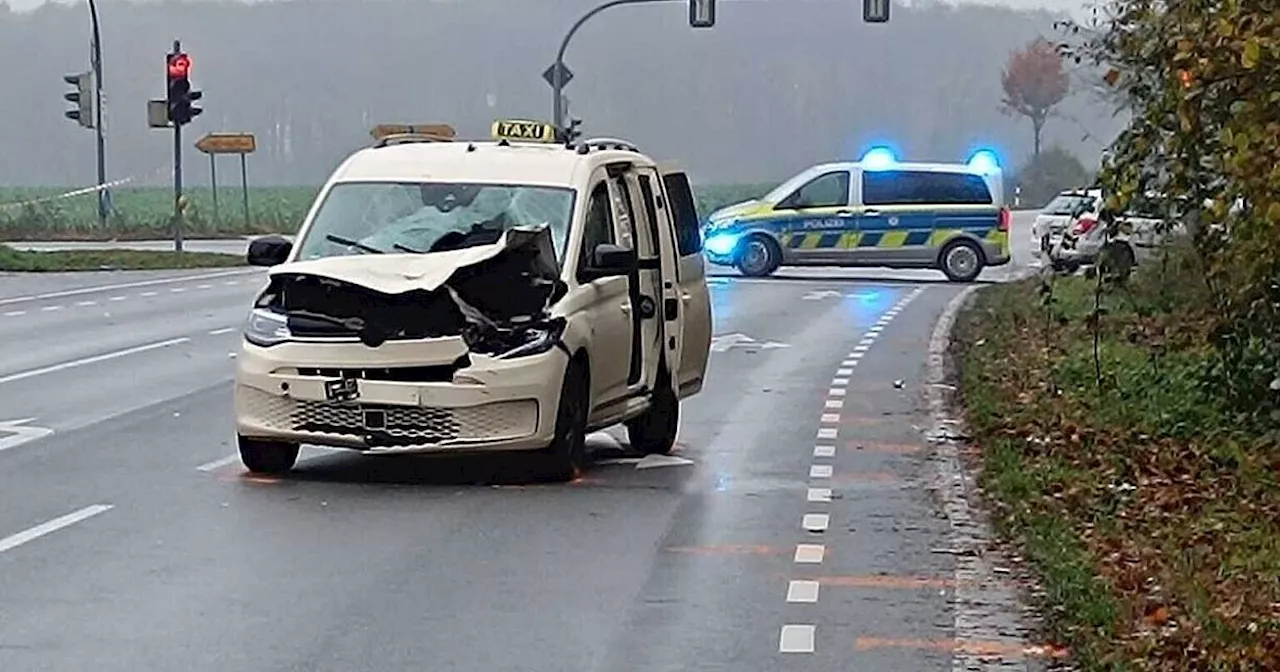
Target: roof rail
(611, 143)
(407, 138)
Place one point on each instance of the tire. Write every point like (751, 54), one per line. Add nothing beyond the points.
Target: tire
(961, 260)
(654, 433)
(758, 256)
(267, 457)
(567, 452)
(1118, 259)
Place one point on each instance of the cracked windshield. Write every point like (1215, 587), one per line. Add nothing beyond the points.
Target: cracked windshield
(640, 336)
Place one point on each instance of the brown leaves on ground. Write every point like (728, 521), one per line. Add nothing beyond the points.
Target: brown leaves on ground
(1182, 524)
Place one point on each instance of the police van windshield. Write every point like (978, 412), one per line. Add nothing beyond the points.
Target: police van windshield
(422, 217)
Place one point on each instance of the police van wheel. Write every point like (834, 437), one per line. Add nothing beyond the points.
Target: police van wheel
(759, 256)
(654, 433)
(267, 457)
(961, 261)
(568, 448)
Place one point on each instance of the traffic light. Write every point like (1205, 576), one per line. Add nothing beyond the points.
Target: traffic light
(702, 13)
(575, 130)
(875, 11)
(82, 96)
(180, 96)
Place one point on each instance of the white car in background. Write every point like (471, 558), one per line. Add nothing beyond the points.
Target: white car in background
(1051, 224)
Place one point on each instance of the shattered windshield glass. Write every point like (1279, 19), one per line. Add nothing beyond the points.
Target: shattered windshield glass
(421, 217)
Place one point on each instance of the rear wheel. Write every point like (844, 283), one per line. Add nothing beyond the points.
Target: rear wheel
(758, 256)
(267, 457)
(567, 451)
(654, 433)
(961, 260)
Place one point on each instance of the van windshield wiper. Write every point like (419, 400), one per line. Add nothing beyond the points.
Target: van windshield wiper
(352, 243)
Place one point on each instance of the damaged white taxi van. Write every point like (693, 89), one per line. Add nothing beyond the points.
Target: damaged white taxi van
(451, 296)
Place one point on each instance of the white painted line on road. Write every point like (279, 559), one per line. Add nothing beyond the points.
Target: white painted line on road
(831, 418)
(833, 403)
(176, 290)
(148, 294)
(839, 382)
(15, 313)
(820, 471)
(802, 591)
(796, 639)
(850, 362)
(13, 377)
(117, 298)
(824, 451)
(15, 540)
(126, 285)
(204, 286)
(819, 494)
(810, 554)
(816, 522)
(224, 330)
(862, 347)
(218, 463)
(48, 309)
(86, 303)
(836, 392)
(231, 283)
(824, 433)
(877, 328)
(844, 372)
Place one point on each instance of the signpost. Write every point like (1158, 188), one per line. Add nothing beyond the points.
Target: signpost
(243, 144)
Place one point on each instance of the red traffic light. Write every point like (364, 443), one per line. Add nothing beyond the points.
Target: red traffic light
(179, 65)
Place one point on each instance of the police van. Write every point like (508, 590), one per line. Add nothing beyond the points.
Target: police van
(450, 296)
(873, 212)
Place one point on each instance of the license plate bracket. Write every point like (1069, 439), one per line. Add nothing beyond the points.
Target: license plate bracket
(342, 390)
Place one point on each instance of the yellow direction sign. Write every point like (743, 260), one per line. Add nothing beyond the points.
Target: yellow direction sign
(227, 143)
(524, 130)
(442, 131)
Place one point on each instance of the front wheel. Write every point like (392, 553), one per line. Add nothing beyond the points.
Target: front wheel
(654, 433)
(758, 256)
(267, 457)
(568, 448)
(961, 261)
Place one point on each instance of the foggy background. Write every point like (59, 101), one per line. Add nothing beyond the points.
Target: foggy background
(776, 86)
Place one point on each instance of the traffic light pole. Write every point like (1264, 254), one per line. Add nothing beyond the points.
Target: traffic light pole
(177, 175)
(98, 119)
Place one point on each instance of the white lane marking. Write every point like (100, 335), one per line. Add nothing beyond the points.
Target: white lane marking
(127, 285)
(839, 382)
(51, 308)
(833, 403)
(802, 591)
(204, 286)
(862, 347)
(15, 313)
(816, 522)
(148, 294)
(218, 463)
(15, 540)
(796, 639)
(836, 392)
(810, 554)
(819, 494)
(820, 471)
(876, 328)
(844, 372)
(117, 298)
(14, 433)
(224, 330)
(86, 303)
(824, 433)
(824, 451)
(90, 360)
(830, 418)
(231, 283)
(175, 290)
(852, 361)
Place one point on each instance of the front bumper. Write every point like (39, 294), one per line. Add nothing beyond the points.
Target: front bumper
(492, 404)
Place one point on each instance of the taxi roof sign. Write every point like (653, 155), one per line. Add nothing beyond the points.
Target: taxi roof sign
(524, 130)
(442, 131)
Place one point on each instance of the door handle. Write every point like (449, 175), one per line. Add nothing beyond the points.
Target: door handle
(626, 307)
(686, 297)
(871, 213)
(844, 213)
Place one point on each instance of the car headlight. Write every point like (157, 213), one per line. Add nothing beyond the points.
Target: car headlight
(721, 244)
(537, 340)
(266, 328)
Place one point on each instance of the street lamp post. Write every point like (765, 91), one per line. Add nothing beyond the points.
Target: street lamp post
(96, 57)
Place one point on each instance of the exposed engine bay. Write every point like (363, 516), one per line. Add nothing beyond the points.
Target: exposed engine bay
(496, 297)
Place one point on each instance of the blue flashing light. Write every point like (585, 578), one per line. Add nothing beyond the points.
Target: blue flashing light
(721, 244)
(878, 158)
(984, 161)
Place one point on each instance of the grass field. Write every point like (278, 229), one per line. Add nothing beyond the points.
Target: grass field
(144, 212)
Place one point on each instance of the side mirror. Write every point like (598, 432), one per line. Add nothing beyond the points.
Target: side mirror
(611, 260)
(269, 251)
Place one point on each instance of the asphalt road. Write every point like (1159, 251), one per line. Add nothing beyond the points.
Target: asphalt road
(794, 532)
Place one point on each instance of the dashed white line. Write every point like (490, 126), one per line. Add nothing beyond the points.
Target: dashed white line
(824, 433)
(91, 360)
(802, 591)
(830, 418)
(819, 495)
(816, 522)
(853, 361)
(796, 639)
(810, 554)
(177, 290)
(148, 294)
(15, 540)
(824, 451)
(836, 392)
(820, 471)
(833, 403)
(844, 372)
(218, 463)
(117, 298)
(86, 303)
(231, 283)
(204, 286)
(224, 330)
(839, 382)
(861, 347)
(127, 285)
(49, 309)
(15, 313)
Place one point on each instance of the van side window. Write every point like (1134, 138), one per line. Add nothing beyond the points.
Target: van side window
(598, 224)
(910, 187)
(828, 190)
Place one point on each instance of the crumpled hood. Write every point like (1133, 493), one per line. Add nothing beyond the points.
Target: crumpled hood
(400, 273)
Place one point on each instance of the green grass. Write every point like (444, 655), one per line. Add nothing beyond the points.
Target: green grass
(12, 260)
(144, 212)
(1138, 501)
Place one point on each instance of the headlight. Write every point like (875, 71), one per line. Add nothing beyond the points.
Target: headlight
(537, 340)
(266, 328)
(721, 244)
